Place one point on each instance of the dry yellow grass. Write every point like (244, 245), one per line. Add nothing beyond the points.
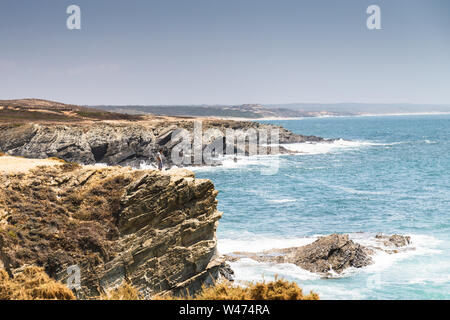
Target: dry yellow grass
(273, 290)
(124, 292)
(32, 284)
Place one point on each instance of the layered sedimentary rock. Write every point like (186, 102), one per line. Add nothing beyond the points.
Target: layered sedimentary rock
(155, 230)
(328, 254)
(117, 143)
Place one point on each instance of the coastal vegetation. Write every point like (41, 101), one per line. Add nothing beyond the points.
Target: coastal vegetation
(278, 289)
(32, 283)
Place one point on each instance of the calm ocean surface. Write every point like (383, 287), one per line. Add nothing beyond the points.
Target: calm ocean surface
(393, 177)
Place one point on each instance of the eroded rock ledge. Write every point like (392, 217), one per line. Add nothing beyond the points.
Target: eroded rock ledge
(116, 143)
(156, 230)
(329, 254)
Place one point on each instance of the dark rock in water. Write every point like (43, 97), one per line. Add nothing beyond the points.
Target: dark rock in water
(226, 272)
(333, 253)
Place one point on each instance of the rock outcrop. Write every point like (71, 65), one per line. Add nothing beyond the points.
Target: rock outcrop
(394, 240)
(330, 254)
(155, 230)
(117, 143)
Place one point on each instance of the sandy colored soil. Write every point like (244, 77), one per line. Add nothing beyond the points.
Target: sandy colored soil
(16, 165)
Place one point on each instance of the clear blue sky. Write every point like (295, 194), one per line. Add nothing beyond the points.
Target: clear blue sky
(225, 51)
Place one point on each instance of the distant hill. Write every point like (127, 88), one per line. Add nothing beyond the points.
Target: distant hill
(248, 111)
(26, 110)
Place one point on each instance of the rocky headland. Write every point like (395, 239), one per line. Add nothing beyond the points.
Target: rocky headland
(116, 143)
(41, 129)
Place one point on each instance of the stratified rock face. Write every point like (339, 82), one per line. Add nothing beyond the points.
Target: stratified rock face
(118, 143)
(332, 253)
(154, 229)
(84, 144)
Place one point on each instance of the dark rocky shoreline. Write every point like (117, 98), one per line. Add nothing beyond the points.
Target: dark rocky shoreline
(125, 144)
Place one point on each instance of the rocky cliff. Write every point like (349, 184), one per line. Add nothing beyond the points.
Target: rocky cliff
(155, 230)
(116, 143)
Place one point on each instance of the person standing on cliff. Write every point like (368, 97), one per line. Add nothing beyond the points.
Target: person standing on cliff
(159, 159)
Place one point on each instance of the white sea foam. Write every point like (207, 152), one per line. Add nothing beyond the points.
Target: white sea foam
(251, 270)
(420, 245)
(281, 200)
(336, 292)
(327, 147)
(242, 162)
(271, 161)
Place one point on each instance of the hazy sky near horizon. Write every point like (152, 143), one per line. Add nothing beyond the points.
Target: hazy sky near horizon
(225, 51)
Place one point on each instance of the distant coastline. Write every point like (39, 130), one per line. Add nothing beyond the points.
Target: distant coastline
(340, 116)
(255, 112)
(402, 114)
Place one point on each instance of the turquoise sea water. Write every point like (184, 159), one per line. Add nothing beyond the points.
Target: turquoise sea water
(393, 177)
